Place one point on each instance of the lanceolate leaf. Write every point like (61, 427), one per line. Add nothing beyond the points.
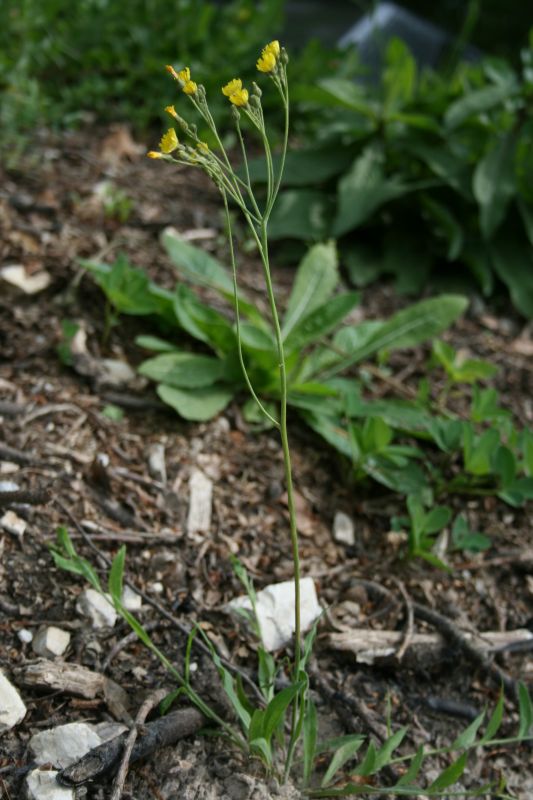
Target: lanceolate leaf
(321, 321)
(315, 281)
(196, 405)
(494, 183)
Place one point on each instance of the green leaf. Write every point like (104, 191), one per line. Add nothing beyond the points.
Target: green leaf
(363, 264)
(467, 738)
(321, 321)
(315, 282)
(408, 328)
(513, 263)
(447, 226)
(494, 184)
(366, 767)
(465, 539)
(127, 288)
(275, 711)
(263, 749)
(384, 754)
(300, 214)
(478, 453)
(399, 75)
(155, 343)
(476, 102)
(450, 775)
(495, 721)
(437, 519)
(183, 370)
(116, 575)
(197, 405)
(414, 768)
(363, 189)
(525, 710)
(344, 753)
(349, 94)
(195, 264)
(310, 733)
(203, 322)
(504, 465)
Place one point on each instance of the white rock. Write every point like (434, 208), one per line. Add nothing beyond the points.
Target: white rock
(16, 275)
(99, 610)
(9, 486)
(51, 642)
(12, 523)
(12, 709)
(130, 599)
(275, 610)
(343, 529)
(114, 372)
(64, 745)
(156, 462)
(25, 635)
(42, 785)
(200, 500)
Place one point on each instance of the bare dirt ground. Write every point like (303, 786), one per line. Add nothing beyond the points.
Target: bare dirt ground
(90, 473)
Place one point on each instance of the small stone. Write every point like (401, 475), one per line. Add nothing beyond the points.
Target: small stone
(25, 635)
(64, 745)
(12, 709)
(130, 599)
(114, 372)
(275, 610)
(100, 611)
(42, 785)
(51, 642)
(156, 462)
(200, 500)
(16, 275)
(343, 529)
(13, 524)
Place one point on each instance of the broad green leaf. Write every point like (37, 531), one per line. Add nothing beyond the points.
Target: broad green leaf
(408, 478)
(376, 435)
(399, 75)
(254, 338)
(195, 264)
(450, 775)
(197, 405)
(315, 282)
(263, 748)
(478, 453)
(344, 753)
(301, 214)
(255, 731)
(203, 322)
(504, 465)
(465, 539)
(408, 328)
(476, 102)
(116, 575)
(513, 263)
(437, 519)
(183, 370)
(127, 288)
(305, 167)
(363, 264)
(332, 430)
(467, 738)
(525, 709)
(321, 321)
(363, 189)
(494, 184)
(266, 673)
(350, 95)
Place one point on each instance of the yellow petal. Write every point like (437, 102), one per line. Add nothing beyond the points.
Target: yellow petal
(154, 154)
(172, 111)
(267, 62)
(233, 86)
(239, 98)
(272, 47)
(190, 88)
(169, 141)
(184, 74)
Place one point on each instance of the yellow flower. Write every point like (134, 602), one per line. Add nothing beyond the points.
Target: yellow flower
(184, 75)
(169, 141)
(154, 154)
(272, 47)
(267, 62)
(239, 98)
(233, 86)
(203, 147)
(172, 111)
(190, 87)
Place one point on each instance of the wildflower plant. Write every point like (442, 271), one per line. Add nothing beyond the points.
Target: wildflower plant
(262, 726)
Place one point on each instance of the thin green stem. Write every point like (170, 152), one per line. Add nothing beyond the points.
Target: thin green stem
(238, 317)
(247, 170)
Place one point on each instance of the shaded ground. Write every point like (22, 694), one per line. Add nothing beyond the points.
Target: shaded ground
(96, 471)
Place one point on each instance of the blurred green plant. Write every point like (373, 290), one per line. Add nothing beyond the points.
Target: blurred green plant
(432, 173)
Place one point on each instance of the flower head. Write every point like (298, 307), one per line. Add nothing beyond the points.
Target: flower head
(190, 88)
(184, 75)
(233, 86)
(172, 111)
(239, 98)
(267, 62)
(154, 154)
(273, 47)
(169, 141)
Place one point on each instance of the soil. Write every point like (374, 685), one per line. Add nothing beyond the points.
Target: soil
(89, 472)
